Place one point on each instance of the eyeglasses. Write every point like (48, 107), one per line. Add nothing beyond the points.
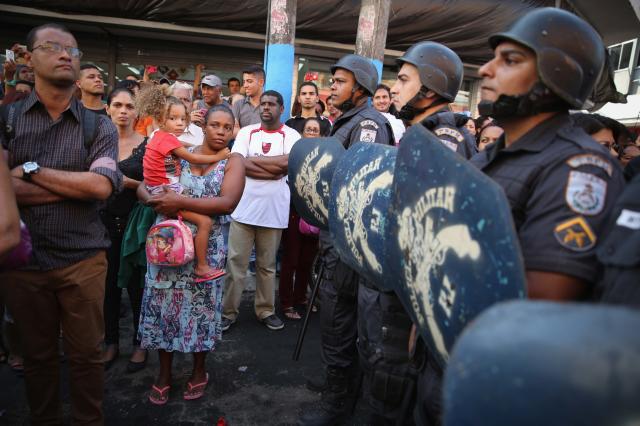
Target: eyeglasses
(53, 47)
(311, 131)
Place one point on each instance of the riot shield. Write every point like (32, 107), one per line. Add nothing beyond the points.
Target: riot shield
(543, 363)
(311, 165)
(359, 208)
(452, 249)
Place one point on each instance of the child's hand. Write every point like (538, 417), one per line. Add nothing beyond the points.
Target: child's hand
(227, 152)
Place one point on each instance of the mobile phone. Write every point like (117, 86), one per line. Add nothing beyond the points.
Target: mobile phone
(203, 111)
(10, 55)
(151, 69)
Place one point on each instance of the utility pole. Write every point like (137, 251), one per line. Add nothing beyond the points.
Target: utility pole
(279, 50)
(372, 31)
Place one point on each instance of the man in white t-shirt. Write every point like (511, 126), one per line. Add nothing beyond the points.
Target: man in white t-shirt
(262, 213)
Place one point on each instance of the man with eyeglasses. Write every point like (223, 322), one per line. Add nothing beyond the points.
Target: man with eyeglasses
(308, 99)
(60, 180)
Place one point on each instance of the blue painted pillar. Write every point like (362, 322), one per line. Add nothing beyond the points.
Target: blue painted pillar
(372, 31)
(279, 50)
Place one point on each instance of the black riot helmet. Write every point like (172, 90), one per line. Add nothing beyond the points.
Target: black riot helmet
(440, 69)
(364, 71)
(569, 56)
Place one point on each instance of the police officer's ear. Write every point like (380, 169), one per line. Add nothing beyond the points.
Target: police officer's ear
(430, 94)
(359, 91)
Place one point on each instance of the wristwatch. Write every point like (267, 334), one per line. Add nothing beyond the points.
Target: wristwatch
(29, 168)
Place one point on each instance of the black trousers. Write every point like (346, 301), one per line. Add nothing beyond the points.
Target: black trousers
(383, 336)
(113, 294)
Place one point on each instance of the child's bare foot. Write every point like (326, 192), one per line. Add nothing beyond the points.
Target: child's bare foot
(206, 273)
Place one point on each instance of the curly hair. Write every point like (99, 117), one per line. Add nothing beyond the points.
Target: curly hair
(151, 101)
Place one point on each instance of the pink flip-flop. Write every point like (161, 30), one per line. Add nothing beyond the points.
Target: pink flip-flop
(163, 392)
(216, 273)
(195, 391)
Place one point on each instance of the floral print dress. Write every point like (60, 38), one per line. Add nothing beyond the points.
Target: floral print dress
(177, 313)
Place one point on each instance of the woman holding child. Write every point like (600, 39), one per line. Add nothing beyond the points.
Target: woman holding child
(180, 312)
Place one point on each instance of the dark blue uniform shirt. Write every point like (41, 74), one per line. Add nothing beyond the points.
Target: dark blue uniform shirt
(561, 186)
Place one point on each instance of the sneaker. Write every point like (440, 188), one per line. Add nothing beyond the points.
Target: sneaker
(226, 323)
(273, 322)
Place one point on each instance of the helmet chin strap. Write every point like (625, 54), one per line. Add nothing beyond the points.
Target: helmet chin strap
(350, 103)
(539, 99)
(409, 110)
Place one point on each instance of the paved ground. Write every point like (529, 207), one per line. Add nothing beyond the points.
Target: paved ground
(253, 380)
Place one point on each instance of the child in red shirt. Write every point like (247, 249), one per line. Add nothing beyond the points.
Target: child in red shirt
(161, 167)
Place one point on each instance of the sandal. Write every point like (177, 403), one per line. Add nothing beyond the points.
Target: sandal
(215, 273)
(195, 391)
(292, 314)
(161, 395)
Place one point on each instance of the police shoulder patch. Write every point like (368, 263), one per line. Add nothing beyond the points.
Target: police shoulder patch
(591, 160)
(451, 145)
(575, 234)
(585, 193)
(454, 133)
(365, 123)
(368, 135)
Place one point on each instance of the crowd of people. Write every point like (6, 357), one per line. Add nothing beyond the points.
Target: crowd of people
(172, 191)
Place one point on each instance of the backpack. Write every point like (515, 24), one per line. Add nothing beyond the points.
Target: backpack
(170, 243)
(9, 116)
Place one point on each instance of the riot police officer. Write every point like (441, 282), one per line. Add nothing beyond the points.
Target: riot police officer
(560, 183)
(354, 81)
(429, 79)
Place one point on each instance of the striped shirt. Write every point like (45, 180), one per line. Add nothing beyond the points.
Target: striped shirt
(68, 231)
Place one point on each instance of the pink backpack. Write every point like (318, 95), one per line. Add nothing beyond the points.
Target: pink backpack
(170, 243)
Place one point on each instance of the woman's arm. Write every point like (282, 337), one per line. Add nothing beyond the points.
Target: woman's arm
(169, 203)
(9, 219)
(130, 183)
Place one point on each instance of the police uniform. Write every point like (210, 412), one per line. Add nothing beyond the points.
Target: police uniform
(619, 252)
(338, 291)
(456, 137)
(298, 121)
(561, 186)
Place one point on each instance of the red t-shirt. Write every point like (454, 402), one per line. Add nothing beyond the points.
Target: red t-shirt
(160, 166)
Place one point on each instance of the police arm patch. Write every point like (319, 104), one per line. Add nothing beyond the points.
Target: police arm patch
(585, 193)
(370, 123)
(575, 234)
(591, 160)
(368, 135)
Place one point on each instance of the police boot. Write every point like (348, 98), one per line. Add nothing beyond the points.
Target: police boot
(336, 403)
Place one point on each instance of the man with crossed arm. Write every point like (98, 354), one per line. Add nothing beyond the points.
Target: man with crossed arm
(60, 181)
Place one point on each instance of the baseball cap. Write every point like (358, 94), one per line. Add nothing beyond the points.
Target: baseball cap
(211, 80)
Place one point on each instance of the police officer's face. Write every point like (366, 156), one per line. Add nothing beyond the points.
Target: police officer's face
(407, 85)
(342, 87)
(308, 97)
(512, 71)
